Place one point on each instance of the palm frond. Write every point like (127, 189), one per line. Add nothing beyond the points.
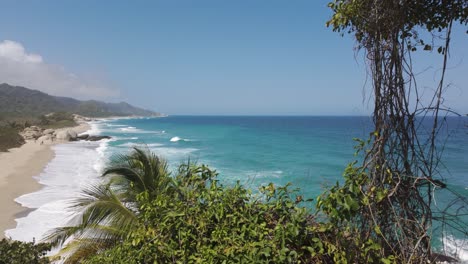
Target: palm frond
(142, 169)
(100, 204)
(80, 249)
(59, 235)
(124, 176)
(108, 212)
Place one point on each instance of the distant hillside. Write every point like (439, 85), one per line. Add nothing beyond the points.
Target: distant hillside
(20, 101)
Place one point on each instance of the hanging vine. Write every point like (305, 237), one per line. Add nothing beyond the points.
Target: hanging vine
(401, 166)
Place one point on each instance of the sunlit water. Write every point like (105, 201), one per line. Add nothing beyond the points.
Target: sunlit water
(308, 152)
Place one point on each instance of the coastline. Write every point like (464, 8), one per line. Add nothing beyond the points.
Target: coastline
(19, 166)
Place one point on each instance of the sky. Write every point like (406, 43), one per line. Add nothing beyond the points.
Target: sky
(201, 57)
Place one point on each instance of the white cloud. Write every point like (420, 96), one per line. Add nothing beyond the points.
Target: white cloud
(17, 67)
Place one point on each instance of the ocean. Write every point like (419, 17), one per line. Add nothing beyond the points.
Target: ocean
(308, 152)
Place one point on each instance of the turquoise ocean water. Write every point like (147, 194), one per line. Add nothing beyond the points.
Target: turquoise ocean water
(308, 152)
(305, 151)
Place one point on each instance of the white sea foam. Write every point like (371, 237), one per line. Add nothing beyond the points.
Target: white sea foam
(94, 128)
(456, 247)
(125, 138)
(128, 129)
(131, 144)
(173, 154)
(73, 167)
(102, 154)
(134, 130)
(264, 174)
(177, 139)
(114, 125)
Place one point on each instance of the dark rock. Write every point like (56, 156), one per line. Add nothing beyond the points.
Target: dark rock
(84, 136)
(96, 138)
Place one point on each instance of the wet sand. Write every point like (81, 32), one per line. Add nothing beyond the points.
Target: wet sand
(18, 166)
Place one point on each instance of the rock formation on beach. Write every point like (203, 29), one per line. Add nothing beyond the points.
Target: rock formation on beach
(60, 135)
(47, 136)
(31, 133)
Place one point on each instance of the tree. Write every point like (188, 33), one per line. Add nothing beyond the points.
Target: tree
(108, 212)
(144, 215)
(201, 221)
(401, 166)
(17, 252)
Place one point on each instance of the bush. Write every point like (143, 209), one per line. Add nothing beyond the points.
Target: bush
(17, 252)
(9, 138)
(198, 220)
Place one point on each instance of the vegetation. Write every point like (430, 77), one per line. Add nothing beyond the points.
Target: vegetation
(142, 214)
(16, 100)
(9, 138)
(21, 107)
(401, 169)
(380, 214)
(56, 120)
(16, 252)
(12, 125)
(108, 212)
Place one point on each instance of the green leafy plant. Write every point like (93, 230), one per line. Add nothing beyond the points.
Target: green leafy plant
(17, 252)
(198, 220)
(107, 213)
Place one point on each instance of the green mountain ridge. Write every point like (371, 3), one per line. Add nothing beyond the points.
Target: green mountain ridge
(19, 101)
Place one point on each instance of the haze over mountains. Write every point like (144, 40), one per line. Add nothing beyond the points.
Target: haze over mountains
(18, 100)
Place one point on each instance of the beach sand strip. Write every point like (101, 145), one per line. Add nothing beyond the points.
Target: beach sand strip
(18, 167)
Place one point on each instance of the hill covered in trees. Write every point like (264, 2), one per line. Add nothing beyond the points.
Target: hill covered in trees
(21, 107)
(19, 101)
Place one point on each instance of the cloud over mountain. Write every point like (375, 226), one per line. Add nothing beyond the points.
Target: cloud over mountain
(18, 67)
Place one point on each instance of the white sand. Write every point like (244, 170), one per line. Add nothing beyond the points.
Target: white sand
(17, 168)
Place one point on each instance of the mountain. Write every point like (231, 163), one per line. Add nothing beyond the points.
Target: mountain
(23, 101)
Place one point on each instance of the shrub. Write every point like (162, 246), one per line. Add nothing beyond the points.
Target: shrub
(17, 252)
(198, 220)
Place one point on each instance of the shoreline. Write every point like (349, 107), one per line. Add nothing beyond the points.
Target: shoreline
(19, 167)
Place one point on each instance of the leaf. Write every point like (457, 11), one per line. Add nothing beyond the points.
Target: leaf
(377, 230)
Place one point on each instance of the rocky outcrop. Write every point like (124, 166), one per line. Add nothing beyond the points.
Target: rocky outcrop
(83, 137)
(31, 133)
(66, 135)
(61, 135)
(96, 138)
(48, 132)
(73, 134)
(46, 139)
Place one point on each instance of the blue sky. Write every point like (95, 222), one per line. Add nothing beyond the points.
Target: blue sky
(203, 57)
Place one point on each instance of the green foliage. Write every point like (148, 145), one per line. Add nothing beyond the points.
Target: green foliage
(346, 240)
(18, 100)
(388, 199)
(107, 213)
(12, 124)
(9, 138)
(56, 120)
(383, 19)
(192, 218)
(198, 220)
(17, 252)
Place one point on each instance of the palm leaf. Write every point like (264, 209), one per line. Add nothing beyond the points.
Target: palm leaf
(108, 212)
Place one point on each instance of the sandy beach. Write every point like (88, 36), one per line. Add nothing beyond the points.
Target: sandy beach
(18, 167)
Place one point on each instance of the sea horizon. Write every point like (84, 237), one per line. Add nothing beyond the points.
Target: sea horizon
(309, 152)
